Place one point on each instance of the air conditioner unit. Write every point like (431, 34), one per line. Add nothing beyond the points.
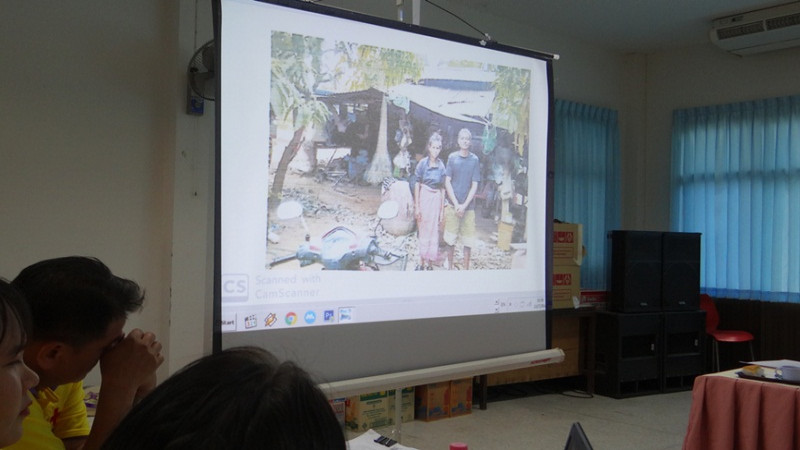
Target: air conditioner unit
(758, 31)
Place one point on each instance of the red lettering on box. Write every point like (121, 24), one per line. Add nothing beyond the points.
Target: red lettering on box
(562, 279)
(563, 237)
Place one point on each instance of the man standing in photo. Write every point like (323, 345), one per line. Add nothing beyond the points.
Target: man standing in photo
(463, 173)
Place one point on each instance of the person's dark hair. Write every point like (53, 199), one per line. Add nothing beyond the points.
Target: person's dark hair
(74, 298)
(241, 398)
(13, 309)
(435, 136)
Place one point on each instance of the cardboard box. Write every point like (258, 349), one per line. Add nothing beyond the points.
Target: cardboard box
(407, 407)
(460, 397)
(432, 401)
(363, 412)
(567, 244)
(566, 286)
(598, 299)
(339, 405)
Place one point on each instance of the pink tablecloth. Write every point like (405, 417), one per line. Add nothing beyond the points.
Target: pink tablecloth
(730, 413)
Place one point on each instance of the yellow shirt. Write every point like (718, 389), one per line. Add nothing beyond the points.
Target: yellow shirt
(55, 415)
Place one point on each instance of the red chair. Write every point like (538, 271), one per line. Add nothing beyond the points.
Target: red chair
(712, 321)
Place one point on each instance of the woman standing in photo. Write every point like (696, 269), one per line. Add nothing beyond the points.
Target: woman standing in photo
(429, 202)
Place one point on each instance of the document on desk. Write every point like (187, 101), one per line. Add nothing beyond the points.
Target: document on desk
(371, 440)
(774, 363)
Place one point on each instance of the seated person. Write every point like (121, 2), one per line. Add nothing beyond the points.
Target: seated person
(337, 127)
(79, 309)
(15, 377)
(358, 133)
(240, 398)
(356, 167)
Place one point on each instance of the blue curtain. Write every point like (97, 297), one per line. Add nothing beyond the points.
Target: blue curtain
(736, 180)
(587, 189)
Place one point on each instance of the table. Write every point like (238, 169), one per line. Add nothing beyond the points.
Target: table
(729, 412)
(586, 357)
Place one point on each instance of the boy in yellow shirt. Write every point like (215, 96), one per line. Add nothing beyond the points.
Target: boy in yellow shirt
(79, 309)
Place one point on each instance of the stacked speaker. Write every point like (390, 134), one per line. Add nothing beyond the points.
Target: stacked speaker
(653, 338)
(655, 271)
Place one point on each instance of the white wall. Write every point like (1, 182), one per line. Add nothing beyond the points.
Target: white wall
(193, 203)
(92, 99)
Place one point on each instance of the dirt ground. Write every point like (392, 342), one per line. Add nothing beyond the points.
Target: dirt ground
(327, 204)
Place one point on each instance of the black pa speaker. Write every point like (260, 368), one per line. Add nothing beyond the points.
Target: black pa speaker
(684, 344)
(628, 354)
(636, 269)
(680, 276)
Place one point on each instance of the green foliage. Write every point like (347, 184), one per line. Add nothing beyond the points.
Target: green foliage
(511, 106)
(377, 67)
(465, 63)
(296, 73)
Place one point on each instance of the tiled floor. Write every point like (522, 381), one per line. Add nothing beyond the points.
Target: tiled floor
(539, 416)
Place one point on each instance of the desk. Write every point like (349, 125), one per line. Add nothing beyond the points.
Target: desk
(729, 412)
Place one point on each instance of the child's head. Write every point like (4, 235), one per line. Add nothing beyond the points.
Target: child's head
(77, 305)
(464, 139)
(242, 398)
(73, 299)
(435, 145)
(14, 315)
(15, 377)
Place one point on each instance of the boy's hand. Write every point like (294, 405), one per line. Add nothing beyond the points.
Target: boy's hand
(133, 361)
(127, 371)
(145, 388)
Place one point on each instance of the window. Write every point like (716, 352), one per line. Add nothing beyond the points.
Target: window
(586, 181)
(736, 180)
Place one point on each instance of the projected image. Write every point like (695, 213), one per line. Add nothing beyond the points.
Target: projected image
(383, 159)
(337, 135)
(346, 147)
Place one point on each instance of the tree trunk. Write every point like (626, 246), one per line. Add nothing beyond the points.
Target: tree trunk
(288, 155)
(381, 166)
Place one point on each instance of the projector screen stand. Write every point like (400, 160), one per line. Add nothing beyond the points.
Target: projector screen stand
(398, 415)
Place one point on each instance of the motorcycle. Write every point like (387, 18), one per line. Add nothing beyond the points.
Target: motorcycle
(341, 248)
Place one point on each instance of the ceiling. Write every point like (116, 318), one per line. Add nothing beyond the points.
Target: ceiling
(640, 26)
